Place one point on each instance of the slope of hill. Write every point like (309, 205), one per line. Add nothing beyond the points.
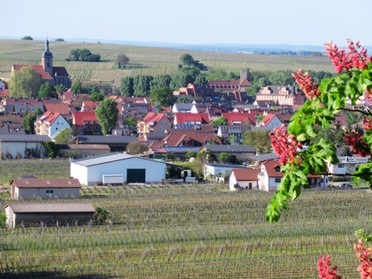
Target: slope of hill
(144, 60)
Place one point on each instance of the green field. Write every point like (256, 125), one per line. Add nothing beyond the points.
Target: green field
(193, 231)
(153, 61)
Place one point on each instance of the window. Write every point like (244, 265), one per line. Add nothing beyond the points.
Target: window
(277, 169)
(277, 180)
(49, 191)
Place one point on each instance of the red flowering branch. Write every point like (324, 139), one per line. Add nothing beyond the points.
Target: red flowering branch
(325, 271)
(306, 84)
(356, 57)
(285, 145)
(364, 255)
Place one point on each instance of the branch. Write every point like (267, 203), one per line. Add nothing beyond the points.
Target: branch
(357, 110)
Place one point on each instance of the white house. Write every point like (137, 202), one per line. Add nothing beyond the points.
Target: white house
(270, 177)
(28, 188)
(212, 169)
(118, 168)
(270, 121)
(346, 164)
(244, 179)
(50, 124)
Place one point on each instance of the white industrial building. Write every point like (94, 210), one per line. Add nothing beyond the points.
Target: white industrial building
(117, 168)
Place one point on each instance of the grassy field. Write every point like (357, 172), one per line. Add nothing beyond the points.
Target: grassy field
(43, 168)
(192, 231)
(153, 60)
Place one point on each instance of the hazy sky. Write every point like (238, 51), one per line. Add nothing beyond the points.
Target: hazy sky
(297, 22)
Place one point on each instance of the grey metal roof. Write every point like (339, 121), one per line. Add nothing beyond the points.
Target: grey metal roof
(265, 157)
(51, 207)
(108, 158)
(181, 149)
(234, 128)
(23, 138)
(183, 106)
(105, 139)
(232, 148)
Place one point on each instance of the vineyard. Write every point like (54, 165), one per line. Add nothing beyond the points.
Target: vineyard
(153, 60)
(198, 231)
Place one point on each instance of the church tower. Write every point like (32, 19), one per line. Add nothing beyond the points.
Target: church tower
(47, 59)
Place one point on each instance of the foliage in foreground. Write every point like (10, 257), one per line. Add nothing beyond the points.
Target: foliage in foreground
(354, 80)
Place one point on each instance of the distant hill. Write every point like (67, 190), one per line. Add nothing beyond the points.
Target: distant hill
(148, 58)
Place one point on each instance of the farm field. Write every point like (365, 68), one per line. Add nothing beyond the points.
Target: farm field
(42, 168)
(192, 231)
(149, 60)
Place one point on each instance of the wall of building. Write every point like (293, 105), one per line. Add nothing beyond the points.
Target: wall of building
(18, 149)
(32, 193)
(155, 171)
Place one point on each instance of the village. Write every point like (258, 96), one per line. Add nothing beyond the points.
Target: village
(206, 123)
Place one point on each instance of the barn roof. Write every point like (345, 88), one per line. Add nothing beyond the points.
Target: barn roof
(46, 183)
(108, 158)
(51, 207)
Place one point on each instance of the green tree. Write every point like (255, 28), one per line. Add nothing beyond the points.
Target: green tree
(64, 136)
(77, 86)
(141, 85)
(97, 96)
(219, 121)
(83, 54)
(162, 97)
(25, 83)
(130, 121)
(260, 140)
(122, 60)
(281, 78)
(225, 158)
(28, 120)
(47, 91)
(107, 115)
(126, 87)
(160, 81)
(101, 216)
(136, 147)
(50, 149)
(60, 40)
(187, 59)
(27, 38)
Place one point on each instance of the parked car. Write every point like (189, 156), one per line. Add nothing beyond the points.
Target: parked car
(346, 185)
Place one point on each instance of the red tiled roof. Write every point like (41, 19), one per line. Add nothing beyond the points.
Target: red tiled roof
(49, 117)
(266, 120)
(182, 118)
(175, 138)
(38, 68)
(270, 168)
(153, 117)
(246, 174)
(46, 183)
(78, 117)
(62, 108)
(232, 117)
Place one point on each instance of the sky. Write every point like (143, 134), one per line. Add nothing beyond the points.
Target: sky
(294, 22)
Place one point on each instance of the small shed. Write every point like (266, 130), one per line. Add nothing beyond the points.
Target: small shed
(133, 169)
(35, 214)
(244, 179)
(28, 188)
